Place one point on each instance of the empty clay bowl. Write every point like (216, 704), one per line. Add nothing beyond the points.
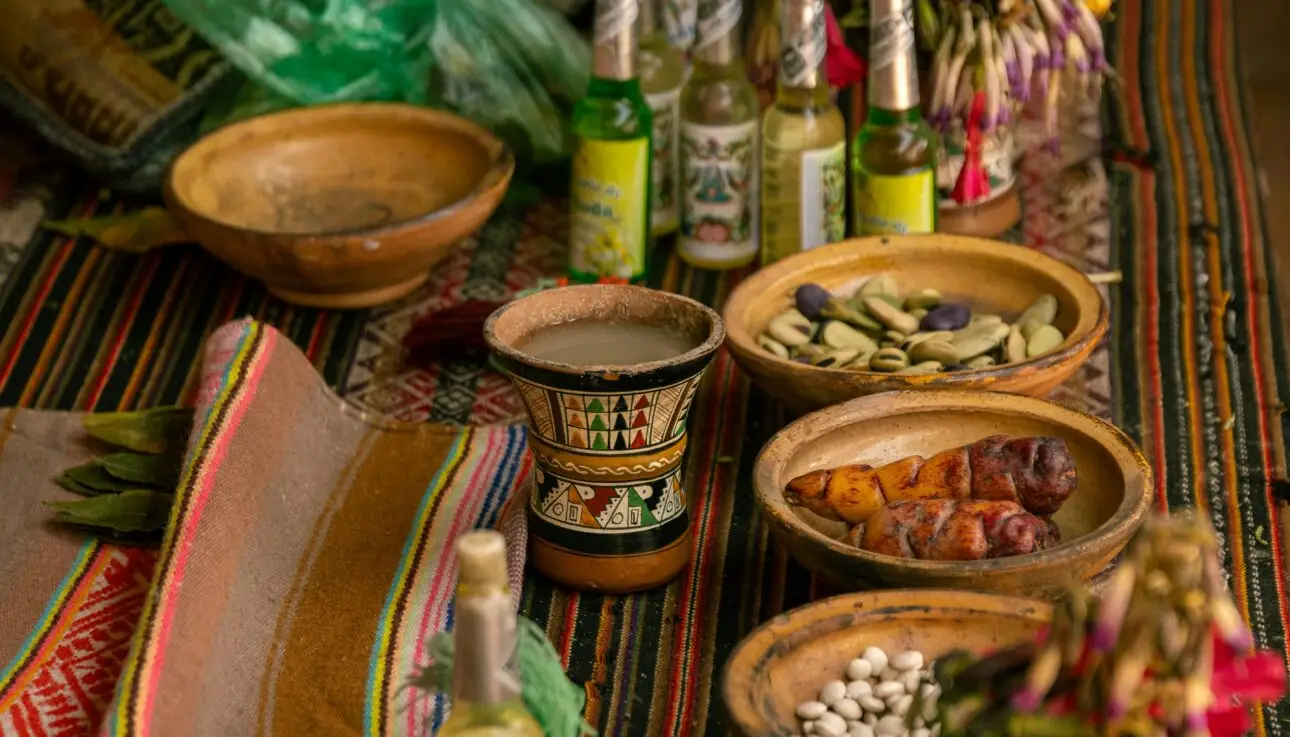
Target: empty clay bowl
(339, 206)
(1110, 501)
(989, 276)
(788, 659)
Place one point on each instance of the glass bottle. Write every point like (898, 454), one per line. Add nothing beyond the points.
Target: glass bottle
(804, 167)
(662, 72)
(609, 197)
(718, 146)
(486, 699)
(894, 154)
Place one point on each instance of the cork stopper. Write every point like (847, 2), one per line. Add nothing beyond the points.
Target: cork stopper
(481, 559)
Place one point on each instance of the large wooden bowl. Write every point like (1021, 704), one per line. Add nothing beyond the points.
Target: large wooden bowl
(1110, 501)
(788, 659)
(339, 206)
(988, 275)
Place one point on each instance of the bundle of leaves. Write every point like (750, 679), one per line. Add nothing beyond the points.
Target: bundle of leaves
(1163, 652)
(554, 701)
(130, 491)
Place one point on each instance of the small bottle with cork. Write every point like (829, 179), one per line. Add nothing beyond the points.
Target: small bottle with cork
(486, 699)
(719, 114)
(609, 202)
(893, 162)
(804, 180)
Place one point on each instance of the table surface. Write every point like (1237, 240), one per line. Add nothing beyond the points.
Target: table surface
(1157, 187)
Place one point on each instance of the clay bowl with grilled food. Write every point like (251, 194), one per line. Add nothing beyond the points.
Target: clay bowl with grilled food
(953, 489)
(786, 660)
(989, 277)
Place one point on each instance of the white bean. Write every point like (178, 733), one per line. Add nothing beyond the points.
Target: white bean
(911, 679)
(876, 657)
(921, 732)
(871, 704)
(808, 727)
(887, 689)
(889, 726)
(847, 708)
(908, 660)
(900, 706)
(860, 729)
(828, 729)
(870, 719)
(856, 689)
(859, 669)
(831, 722)
(936, 730)
(833, 691)
(811, 710)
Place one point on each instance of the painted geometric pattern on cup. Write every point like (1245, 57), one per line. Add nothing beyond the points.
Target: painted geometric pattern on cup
(630, 421)
(608, 508)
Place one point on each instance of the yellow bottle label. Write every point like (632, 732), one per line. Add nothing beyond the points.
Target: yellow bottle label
(607, 220)
(899, 205)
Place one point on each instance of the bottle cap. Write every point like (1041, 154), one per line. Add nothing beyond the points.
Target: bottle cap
(481, 558)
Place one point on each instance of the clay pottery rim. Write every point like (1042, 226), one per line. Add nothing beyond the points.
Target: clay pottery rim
(606, 294)
(774, 638)
(759, 285)
(771, 464)
(497, 177)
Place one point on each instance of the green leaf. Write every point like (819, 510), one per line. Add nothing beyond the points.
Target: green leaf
(161, 471)
(135, 510)
(91, 479)
(156, 430)
(134, 232)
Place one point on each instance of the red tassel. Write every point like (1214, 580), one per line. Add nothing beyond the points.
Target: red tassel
(973, 185)
(842, 67)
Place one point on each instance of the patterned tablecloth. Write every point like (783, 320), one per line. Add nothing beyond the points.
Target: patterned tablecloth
(1157, 183)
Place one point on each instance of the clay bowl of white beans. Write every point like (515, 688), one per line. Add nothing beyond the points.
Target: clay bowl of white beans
(860, 665)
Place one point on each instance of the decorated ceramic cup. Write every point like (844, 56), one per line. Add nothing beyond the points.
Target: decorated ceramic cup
(607, 374)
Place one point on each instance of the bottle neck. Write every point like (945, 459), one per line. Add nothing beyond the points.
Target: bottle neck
(484, 642)
(893, 67)
(802, 81)
(614, 53)
(717, 36)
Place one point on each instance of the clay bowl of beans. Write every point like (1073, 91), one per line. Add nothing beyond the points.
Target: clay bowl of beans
(953, 489)
(864, 664)
(879, 314)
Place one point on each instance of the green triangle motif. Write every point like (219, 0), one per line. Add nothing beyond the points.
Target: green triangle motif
(598, 423)
(598, 441)
(633, 499)
(595, 406)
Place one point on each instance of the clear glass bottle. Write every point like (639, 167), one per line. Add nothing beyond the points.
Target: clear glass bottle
(662, 72)
(894, 153)
(718, 146)
(486, 699)
(609, 202)
(803, 155)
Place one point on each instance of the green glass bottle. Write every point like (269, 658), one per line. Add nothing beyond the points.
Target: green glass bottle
(893, 162)
(609, 200)
(719, 121)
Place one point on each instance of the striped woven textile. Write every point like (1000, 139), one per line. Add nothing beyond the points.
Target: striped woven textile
(309, 557)
(1191, 367)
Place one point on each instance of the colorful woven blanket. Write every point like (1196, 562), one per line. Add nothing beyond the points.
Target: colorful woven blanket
(309, 557)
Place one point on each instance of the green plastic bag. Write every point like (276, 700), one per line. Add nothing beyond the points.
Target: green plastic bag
(515, 67)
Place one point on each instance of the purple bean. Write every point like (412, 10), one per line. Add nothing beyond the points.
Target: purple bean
(946, 316)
